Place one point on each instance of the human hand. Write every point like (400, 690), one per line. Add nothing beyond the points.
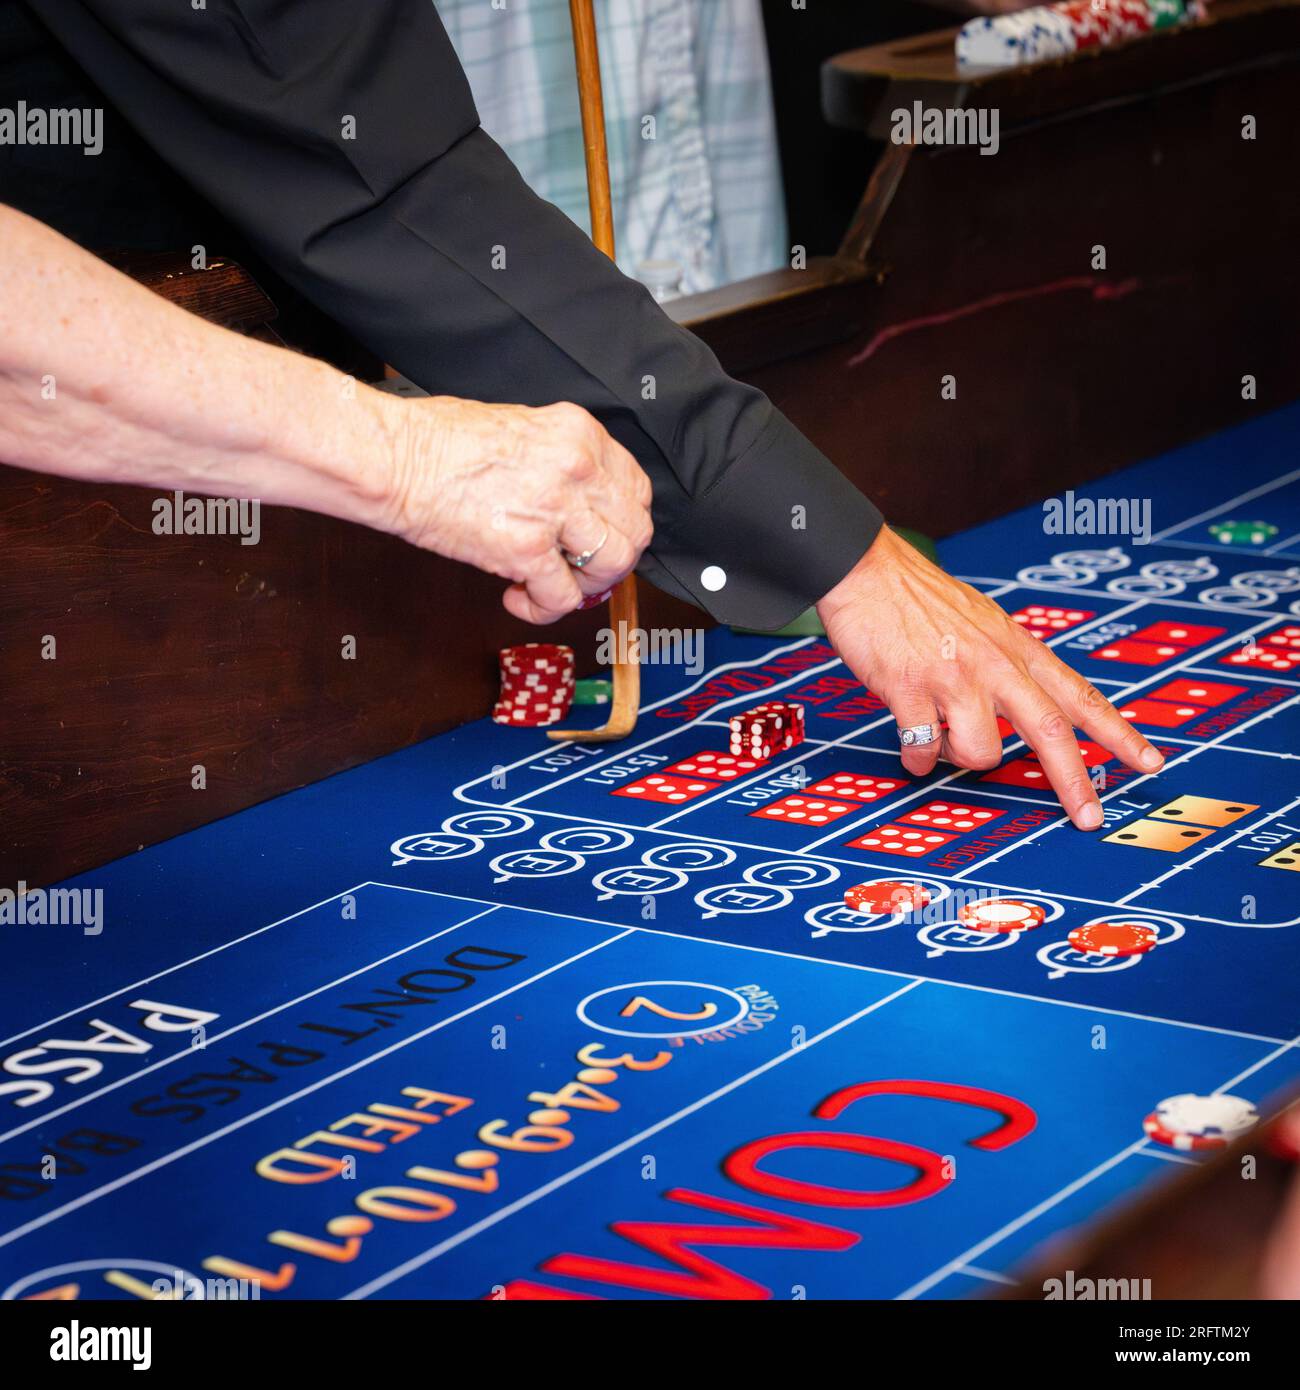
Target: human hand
(506, 488)
(935, 649)
(1280, 1270)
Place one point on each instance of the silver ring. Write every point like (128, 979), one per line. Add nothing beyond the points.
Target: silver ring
(918, 735)
(580, 562)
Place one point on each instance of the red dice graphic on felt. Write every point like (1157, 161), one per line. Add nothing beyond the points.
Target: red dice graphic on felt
(805, 810)
(1197, 692)
(1161, 714)
(669, 790)
(1277, 651)
(857, 785)
(952, 816)
(726, 767)
(906, 841)
(1020, 772)
(1041, 621)
(1139, 653)
(1093, 754)
(1180, 634)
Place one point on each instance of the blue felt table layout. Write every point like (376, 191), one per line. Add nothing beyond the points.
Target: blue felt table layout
(576, 1041)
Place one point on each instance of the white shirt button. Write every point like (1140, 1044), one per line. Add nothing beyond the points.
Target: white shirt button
(713, 578)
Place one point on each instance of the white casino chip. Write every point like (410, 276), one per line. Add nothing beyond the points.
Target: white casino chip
(1206, 1116)
(1001, 915)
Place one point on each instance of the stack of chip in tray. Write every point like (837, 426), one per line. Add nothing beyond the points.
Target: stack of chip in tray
(537, 684)
(773, 727)
(1054, 31)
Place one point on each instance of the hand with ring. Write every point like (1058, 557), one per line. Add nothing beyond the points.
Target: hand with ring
(949, 662)
(543, 496)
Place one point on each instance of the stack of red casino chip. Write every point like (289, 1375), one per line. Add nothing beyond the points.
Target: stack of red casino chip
(773, 727)
(1105, 23)
(537, 684)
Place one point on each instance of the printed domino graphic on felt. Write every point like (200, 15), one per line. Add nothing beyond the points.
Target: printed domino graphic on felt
(1156, 834)
(1039, 621)
(857, 785)
(908, 841)
(1277, 651)
(1140, 653)
(725, 767)
(804, 810)
(1194, 692)
(670, 791)
(1178, 634)
(1019, 772)
(1161, 714)
(1287, 858)
(1203, 810)
(952, 815)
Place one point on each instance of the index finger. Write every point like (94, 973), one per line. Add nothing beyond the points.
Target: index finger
(1051, 735)
(1092, 712)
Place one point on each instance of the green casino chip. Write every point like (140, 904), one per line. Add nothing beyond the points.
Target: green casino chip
(591, 692)
(1243, 532)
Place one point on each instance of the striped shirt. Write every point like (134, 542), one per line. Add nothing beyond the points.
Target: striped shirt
(694, 170)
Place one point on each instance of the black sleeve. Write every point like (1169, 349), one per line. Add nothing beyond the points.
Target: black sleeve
(342, 138)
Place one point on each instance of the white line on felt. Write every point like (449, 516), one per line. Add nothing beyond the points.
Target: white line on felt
(163, 1160)
(81, 1100)
(563, 1179)
(1151, 1151)
(1248, 496)
(991, 1276)
(870, 969)
(1264, 1061)
(193, 960)
(1236, 674)
(1278, 546)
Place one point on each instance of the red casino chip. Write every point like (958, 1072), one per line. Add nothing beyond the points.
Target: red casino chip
(1001, 915)
(1113, 939)
(1155, 1130)
(886, 897)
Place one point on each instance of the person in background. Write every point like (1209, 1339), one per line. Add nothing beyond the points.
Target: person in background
(693, 163)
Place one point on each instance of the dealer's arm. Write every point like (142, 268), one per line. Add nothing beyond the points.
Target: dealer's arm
(177, 402)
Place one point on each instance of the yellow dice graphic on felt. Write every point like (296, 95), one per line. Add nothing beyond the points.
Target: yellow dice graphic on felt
(1204, 810)
(1158, 834)
(1288, 858)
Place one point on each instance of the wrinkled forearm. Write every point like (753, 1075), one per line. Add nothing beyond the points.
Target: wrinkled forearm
(102, 379)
